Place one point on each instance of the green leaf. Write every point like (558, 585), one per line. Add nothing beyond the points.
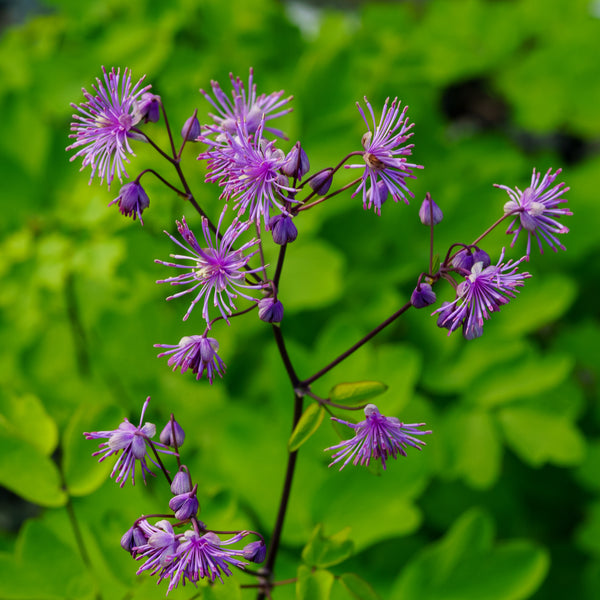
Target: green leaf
(355, 393)
(43, 567)
(476, 453)
(358, 587)
(539, 437)
(309, 422)
(25, 417)
(323, 551)
(509, 571)
(313, 585)
(29, 473)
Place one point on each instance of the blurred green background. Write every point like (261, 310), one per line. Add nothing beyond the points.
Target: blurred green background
(503, 503)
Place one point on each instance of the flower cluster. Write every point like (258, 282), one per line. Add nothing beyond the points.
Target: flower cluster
(193, 554)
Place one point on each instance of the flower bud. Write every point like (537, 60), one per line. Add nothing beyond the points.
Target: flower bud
(296, 163)
(422, 296)
(429, 209)
(166, 435)
(133, 538)
(191, 129)
(148, 108)
(181, 483)
(132, 200)
(463, 260)
(443, 319)
(283, 229)
(483, 257)
(380, 195)
(321, 182)
(270, 310)
(184, 505)
(255, 552)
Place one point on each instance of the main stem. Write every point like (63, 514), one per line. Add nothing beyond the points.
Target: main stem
(291, 464)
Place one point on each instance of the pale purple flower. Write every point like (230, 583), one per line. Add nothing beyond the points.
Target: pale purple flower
(248, 167)
(245, 106)
(536, 210)
(377, 437)
(195, 352)
(485, 290)
(218, 271)
(103, 128)
(159, 550)
(430, 212)
(185, 505)
(385, 155)
(200, 556)
(133, 442)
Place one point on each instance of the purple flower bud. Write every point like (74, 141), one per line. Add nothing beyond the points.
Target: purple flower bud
(184, 505)
(132, 200)
(166, 435)
(181, 483)
(296, 162)
(443, 320)
(483, 257)
(270, 310)
(191, 129)
(133, 538)
(148, 108)
(321, 182)
(463, 260)
(422, 296)
(255, 552)
(378, 198)
(283, 229)
(428, 210)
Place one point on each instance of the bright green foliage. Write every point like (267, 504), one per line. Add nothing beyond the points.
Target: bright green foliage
(326, 551)
(515, 414)
(356, 393)
(309, 422)
(466, 564)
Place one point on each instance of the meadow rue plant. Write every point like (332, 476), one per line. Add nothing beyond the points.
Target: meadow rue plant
(267, 186)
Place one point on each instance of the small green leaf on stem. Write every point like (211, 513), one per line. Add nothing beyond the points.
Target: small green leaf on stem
(309, 422)
(355, 393)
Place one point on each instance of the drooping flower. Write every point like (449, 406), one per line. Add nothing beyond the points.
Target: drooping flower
(103, 128)
(195, 352)
(377, 437)
(248, 167)
(422, 296)
(217, 271)
(536, 211)
(245, 107)
(132, 200)
(132, 441)
(483, 291)
(185, 505)
(385, 155)
(200, 556)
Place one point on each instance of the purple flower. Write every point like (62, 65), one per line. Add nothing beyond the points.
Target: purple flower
(166, 435)
(191, 129)
(132, 539)
(245, 107)
(132, 200)
(484, 291)
(376, 437)
(217, 271)
(202, 556)
(185, 505)
(422, 296)
(248, 167)
(132, 441)
(197, 352)
(255, 551)
(385, 155)
(270, 310)
(536, 210)
(103, 128)
(148, 108)
(283, 229)
(160, 549)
